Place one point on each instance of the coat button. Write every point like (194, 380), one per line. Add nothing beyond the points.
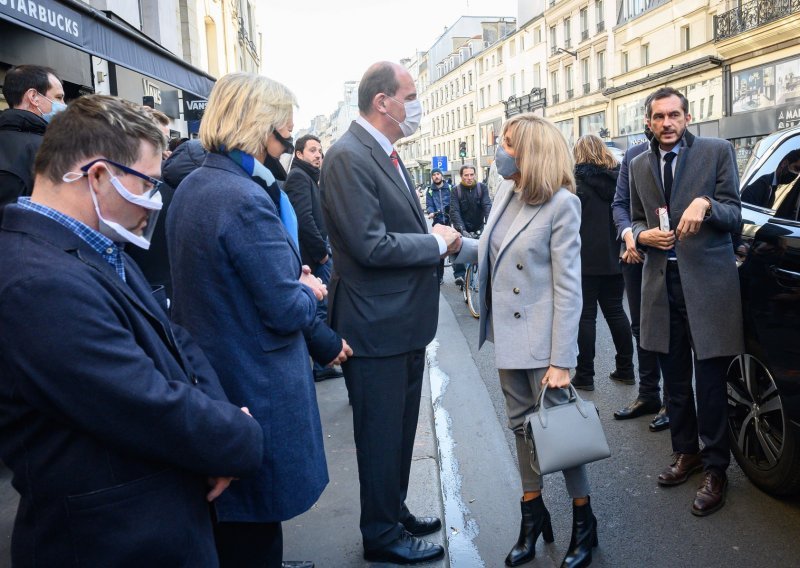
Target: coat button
(516, 290)
(517, 315)
(519, 266)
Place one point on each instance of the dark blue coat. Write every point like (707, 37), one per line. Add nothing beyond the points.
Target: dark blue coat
(235, 277)
(110, 419)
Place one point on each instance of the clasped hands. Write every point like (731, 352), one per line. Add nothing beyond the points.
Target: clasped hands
(317, 287)
(689, 225)
(452, 238)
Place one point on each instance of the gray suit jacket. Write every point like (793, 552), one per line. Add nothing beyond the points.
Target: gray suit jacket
(383, 297)
(706, 167)
(534, 304)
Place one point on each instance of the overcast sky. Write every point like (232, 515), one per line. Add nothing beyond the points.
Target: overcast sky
(314, 46)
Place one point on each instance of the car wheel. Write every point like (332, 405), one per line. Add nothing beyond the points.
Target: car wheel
(765, 444)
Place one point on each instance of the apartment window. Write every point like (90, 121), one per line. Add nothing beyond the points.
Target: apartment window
(686, 39)
(553, 44)
(567, 33)
(499, 89)
(512, 48)
(584, 16)
(585, 75)
(458, 118)
(522, 42)
(471, 113)
(570, 86)
(624, 62)
(554, 86)
(537, 74)
(489, 94)
(601, 69)
(645, 55)
(499, 55)
(539, 35)
(598, 15)
(522, 81)
(513, 85)
(483, 99)
(493, 60)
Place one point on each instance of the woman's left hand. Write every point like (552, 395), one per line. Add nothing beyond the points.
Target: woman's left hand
(556, 378)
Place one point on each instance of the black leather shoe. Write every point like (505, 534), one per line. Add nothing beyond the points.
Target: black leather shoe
(407, 549)
(583, 383)
(420, 526)
(637, 408)
(297, 564)
(325, 374)
(624, 378)
(661, 421)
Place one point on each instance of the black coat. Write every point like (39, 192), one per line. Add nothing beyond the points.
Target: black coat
(111, 419)
(303, 192)
(599, 248)
(21, 134)
(154, 261)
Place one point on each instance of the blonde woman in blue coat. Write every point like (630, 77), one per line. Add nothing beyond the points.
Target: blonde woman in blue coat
(530, 298)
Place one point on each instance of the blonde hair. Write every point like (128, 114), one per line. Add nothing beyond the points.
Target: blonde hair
(590, 149)
(543, 158)
(242, 110)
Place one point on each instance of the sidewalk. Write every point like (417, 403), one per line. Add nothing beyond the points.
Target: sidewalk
(328, 533)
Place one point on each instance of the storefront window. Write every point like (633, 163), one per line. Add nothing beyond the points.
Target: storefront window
(630, 117)
(567, 128)
(592, 123)
(788, 82)
(753, 89)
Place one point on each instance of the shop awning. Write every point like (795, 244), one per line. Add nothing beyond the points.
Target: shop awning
(82, 27)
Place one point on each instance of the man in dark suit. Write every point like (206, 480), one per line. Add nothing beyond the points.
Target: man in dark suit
(384, 298)
(111, 419)
(648, 400)
(684, 208)
(302, 188)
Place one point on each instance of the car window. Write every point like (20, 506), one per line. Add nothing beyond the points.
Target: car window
(775, 185)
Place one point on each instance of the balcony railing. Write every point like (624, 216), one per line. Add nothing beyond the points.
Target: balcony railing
(570, 94)
(601, 83)
(751, 15)
(601, 26)
(586, 88)
(555, 99)
(584, 35)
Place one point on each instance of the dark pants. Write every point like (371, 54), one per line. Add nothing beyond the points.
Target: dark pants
(459, 270)
(606, 290)
(649, 370)
(385, 394)
(249, 545)
(710, 418)
(323, 272)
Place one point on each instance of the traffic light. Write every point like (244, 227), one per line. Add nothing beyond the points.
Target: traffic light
(462, 149)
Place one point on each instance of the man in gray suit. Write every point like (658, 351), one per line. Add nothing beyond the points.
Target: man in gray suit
(691, 307)
(384, 297)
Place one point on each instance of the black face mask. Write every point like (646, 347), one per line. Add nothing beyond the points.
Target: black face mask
(288, 143)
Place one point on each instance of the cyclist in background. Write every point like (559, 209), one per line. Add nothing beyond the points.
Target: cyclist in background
(437, 205)
(470, 205)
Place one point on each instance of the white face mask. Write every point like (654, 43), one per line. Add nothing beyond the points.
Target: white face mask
(114, 230)
(413, 116)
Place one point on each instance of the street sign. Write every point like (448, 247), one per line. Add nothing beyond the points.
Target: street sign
(439, 163)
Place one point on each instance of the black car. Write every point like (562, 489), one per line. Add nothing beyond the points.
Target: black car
(764, 383)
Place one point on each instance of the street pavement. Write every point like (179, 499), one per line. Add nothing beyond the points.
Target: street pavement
(464, 469)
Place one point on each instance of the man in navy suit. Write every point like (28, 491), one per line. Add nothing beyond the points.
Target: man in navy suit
(384, 297)
(111, 420)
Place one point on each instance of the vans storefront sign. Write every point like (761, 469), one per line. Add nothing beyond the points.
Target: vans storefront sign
(46, 15)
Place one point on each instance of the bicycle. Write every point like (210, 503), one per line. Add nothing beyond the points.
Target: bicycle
(470, 288)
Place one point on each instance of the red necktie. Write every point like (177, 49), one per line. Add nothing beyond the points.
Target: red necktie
(395, 159)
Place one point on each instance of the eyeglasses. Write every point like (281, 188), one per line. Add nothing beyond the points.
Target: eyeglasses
(155, 183)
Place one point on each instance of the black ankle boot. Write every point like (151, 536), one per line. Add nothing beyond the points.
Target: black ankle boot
(535, 520)
(584, 537)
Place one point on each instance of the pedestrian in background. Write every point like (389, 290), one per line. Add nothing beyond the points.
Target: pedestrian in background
(596, 172)
(470, 206)
(531, 247)
(437, 205)
(240, 287)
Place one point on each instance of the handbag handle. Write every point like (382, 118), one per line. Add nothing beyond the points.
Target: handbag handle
(573, 397)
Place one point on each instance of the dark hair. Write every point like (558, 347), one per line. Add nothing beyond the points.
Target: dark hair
(300, 143)
(663, 93)
(175, 142)
(379, 78)
(96, 125)
(23, 77)
(466, 167)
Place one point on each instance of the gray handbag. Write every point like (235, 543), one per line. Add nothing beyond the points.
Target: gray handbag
(565, 435)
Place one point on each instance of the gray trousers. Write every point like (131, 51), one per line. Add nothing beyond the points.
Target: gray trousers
(521, 389)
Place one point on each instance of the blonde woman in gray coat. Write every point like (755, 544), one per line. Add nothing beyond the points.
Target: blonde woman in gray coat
(530, 297)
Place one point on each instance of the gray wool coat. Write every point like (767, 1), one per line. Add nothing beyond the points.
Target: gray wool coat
(531, 298)
(706, 167)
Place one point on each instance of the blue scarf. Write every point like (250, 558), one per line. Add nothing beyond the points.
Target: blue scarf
(263, 176)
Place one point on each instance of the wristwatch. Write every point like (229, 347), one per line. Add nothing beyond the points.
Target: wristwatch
(708, 211)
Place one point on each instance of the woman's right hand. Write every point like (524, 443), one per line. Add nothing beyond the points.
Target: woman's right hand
(556, 378)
